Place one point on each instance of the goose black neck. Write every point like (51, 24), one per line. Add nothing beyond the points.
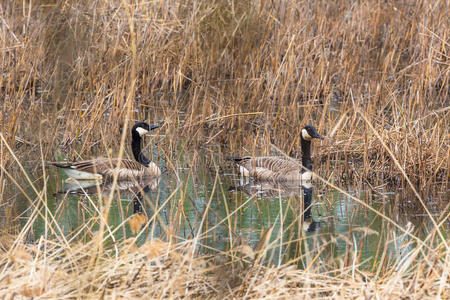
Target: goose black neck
(137, 205)
(138, 200)
(306, 153)
(136, 147)
(307, 195)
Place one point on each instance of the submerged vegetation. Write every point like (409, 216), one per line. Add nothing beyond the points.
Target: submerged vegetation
(233, 78)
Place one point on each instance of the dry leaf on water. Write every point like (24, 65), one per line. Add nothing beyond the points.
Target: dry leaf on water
(136, 222)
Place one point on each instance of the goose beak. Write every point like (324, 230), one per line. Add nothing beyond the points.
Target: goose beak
(153, 126)
(316, 135)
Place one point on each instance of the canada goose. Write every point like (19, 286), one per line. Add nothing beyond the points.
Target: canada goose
(279, 168)
(106, 168)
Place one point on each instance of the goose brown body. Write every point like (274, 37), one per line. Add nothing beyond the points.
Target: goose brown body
(108, 168)
(279, 168)
(272, 168)
(128, 169)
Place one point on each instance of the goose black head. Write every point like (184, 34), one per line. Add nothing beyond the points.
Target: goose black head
(309, 132)
(142, 128)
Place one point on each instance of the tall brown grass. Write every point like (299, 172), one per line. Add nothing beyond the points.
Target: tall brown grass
(239, 71)
(371, 76)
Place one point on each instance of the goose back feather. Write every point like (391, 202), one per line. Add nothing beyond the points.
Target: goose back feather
(272, 168)
(279, 168)
(105, 167)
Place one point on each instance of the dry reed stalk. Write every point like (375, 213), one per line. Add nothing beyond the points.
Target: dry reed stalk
(160, 269)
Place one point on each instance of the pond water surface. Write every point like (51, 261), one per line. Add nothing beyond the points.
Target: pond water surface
(222, 210)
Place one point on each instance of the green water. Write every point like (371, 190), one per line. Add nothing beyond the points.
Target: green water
(222, 210)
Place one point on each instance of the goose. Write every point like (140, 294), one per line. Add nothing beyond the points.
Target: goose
(105, 168)
(279, 168)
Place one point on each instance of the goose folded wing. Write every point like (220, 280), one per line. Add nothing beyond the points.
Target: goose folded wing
(271, 163)
(107, 166)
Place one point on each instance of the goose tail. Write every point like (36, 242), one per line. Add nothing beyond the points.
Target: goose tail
(58, 164)
(72, 172)
(238, 159)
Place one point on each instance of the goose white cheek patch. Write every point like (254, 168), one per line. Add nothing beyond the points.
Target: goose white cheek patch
(141, 131)
(306, 135)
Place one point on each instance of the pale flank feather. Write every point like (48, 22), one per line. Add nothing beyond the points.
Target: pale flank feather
(90, 169)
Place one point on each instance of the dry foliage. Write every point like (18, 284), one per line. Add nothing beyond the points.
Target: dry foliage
(242, 74)
(160, 270)
(372, 76)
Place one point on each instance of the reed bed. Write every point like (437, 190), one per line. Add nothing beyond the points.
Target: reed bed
(244, 76)
(241, 74)
(158, 269)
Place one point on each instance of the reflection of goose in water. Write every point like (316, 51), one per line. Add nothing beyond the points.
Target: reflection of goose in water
(133, 190)
(270, 189)
(126, 188)
(105, 167)
(281, 168)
